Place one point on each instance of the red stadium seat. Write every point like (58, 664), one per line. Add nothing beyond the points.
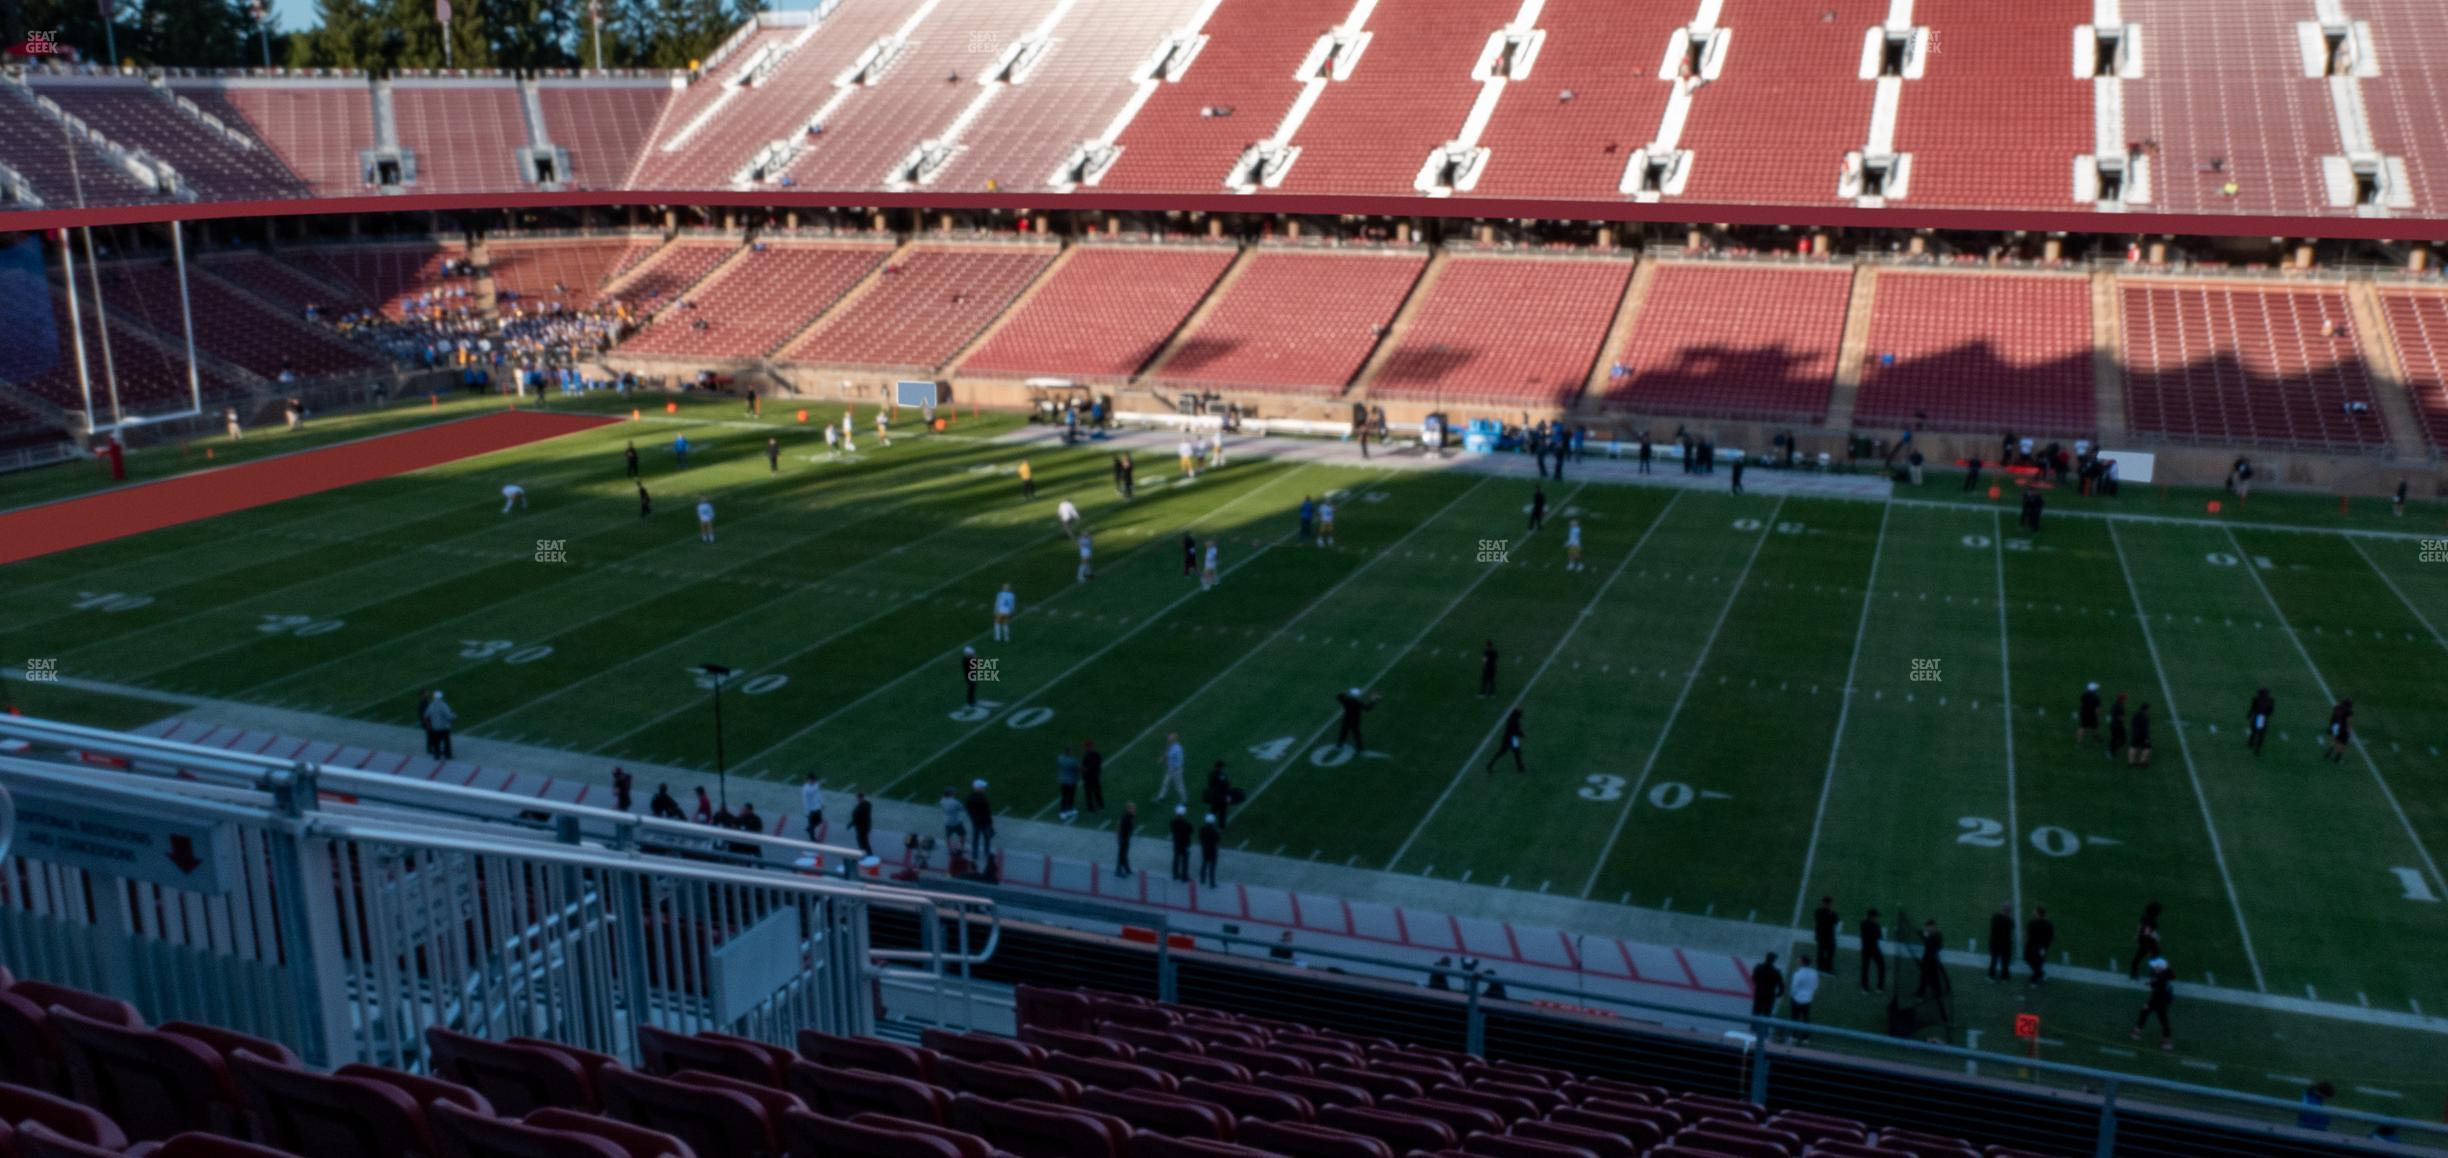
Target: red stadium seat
(1814, 1128)
(426, 1091)
(1001, 1082)
(844, 1093)
(665, 1053)
(1302, 1140)
(1641, 1134)
(1191, 1065)
(1061, 1041)
(213, 1146)
(1544, 1099)
(1063, 1010)
(35, 1140)
(23, 1104)
(1698, 1107)
(970, 1145)
(806, 1135)
(1103, 1073)
(329, 1115)
(516, 1079)
(1601, 1143)
(153, 1084)
(867, 1053)
(983, 1048)
(1139, 1037)
(1163, 1113)
(1404, 1132)
(227, 1042)
(1261, 1061)
(1378, 1083)
(1508, 1146)
(1147, 1145)
(1463, 1119)
(1505, 1106)
(1320, 1092)
(460, 1133)
(1250, 1101)
(1032, 1129)
(711, 1121)
(634, 1141)
(774, 1101)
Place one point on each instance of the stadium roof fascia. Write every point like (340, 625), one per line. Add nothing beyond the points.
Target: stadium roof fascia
(2070, 221)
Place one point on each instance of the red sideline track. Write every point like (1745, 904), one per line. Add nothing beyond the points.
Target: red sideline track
(80, 522)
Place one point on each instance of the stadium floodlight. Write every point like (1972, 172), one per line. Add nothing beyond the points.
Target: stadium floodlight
(717, 673)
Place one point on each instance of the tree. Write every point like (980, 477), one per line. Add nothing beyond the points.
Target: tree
(343, 37)
(195, 34)
(534, 34)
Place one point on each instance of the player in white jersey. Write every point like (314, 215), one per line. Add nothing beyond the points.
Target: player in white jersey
(1215, 449)
(1208, 574)
(1325, 527)
(514, 495)
(1005, 604)
(848, 445)
(883, 431)
(705, 520)
(1189, 459)
(1086, 572)
(832, 441)
(1572, 548)
(1069, 516)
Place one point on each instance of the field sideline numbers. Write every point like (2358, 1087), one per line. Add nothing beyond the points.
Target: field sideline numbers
(759, 685)
(1782, 528)
(509, 650)
(299, 625)
(109, 601)
(1981, 543)
(1330, 756)
(2050, 840)
(1602, 787)
(984, 710)
(2224, 559)
(1275, 749)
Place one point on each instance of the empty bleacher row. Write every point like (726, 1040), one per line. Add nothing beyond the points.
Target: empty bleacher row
(1092, 1075)
(2220, 107)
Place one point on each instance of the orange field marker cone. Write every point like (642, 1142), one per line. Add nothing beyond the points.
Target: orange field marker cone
(634, 415)
(803, 418)
(671, 408)
(1993, 493)
(433, 401)
(2214, 506)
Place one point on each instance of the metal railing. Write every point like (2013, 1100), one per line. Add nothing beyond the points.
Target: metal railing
(341, 912)
(1708, 1045)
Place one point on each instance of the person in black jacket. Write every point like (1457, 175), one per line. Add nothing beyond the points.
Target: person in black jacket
(2086, 715)
(1211, 841)
(2146, 940)
(969, 674)
(2162, 995)
(2001, 943)
(1767, 985)
(981, 825)
(2256, 719)
(1220, 796)
(2139, 755)
(1487, 670)
(1874, 954)
(2039, 934)
(1538, 505)
(621, 782)
(1092, 777)
(1509, 744)
(1353, 704)
(2116, 726)
(1933, 982)
(1823, 933)
(862, 821)
(1181, 842)
(663, 807)
(1122, 839)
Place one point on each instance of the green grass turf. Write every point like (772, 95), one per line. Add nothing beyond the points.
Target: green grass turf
(1690, 743)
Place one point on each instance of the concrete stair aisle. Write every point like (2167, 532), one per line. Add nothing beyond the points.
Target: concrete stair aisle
(1198, 316)
(1854, 351)
(1627, 312)
(1391, 340)
(1020, 301)
(864, 286)
(2108, 359)
(2387, 369)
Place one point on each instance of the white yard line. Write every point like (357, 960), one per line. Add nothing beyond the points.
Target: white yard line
(1562, 641)
(1733, 592)
(1427, 628)
(932, 663)
(2167, 695)
(1844, 713)
(2329, 696)
(1194, 697)
(2419, 617)
(2014, 827)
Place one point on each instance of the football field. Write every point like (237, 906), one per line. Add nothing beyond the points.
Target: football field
(1741, 703)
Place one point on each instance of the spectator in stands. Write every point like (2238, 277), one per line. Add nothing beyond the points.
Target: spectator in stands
(438, 720)
(1873, 952)
(812, 804)
(862, 822)
(621, 783)
(2162, 995)
(663, 806)
(1436, 975)
(981, 823)
(705, 807)
(955, 819)
(1211, 843)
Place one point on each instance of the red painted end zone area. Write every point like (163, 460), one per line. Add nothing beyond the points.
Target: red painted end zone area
(72, 523)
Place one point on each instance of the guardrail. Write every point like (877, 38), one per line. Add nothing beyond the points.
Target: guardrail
(341, 912)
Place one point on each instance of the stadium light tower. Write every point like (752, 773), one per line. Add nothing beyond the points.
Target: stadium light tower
(722, 775)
